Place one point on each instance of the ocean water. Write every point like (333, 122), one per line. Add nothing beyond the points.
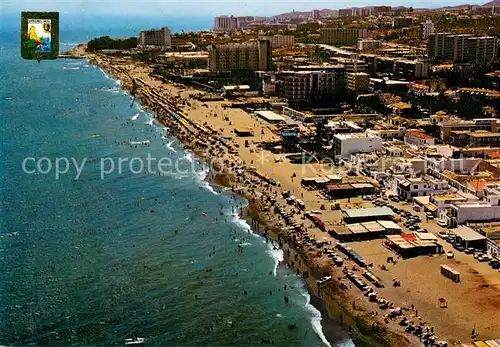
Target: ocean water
(90, 257)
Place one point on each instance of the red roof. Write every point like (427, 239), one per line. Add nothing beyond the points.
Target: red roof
(420, 134)
(495, 155)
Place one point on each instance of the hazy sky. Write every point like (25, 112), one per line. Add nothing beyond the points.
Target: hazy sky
(203, 8)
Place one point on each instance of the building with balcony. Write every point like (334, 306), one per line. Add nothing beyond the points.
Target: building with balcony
(280, 41)
(155, 38)
(342, 36)
(427, 29)
(240, 56)
(225, 23)
(358, 81)
(462, 48)
(299, 88)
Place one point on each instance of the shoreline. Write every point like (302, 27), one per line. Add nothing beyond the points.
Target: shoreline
(330, 306)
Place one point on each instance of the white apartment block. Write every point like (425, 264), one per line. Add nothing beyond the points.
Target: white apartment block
(155, 38)
(427, 29)
(344, 145)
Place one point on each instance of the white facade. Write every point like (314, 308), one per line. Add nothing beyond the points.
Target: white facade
(487, 210)
(344, 145)
(419, 138)
(427, 29)
(156, 37)
(412, 187)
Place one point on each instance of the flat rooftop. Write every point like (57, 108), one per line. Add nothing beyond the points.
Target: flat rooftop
(467, 234)
(368, 212)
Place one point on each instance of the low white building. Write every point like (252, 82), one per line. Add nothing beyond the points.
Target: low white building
(419, 138)
(487, 210)
(344, 145)
(409, 188)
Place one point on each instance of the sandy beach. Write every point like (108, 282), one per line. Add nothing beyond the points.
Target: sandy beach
(472, 305)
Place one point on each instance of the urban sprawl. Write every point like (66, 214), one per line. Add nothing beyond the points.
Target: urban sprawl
(367, 142)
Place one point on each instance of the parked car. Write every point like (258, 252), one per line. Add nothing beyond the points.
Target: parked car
(495, 265)
(458, 247)
(429, 216)
(469, 250)
(442, 223)
(483, 258)
(394, 198)
(443, 235)
(450, 254)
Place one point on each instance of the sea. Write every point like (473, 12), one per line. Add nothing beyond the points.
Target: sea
(97, 246)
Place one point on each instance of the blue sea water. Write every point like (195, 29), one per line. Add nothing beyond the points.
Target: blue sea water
(89, 260)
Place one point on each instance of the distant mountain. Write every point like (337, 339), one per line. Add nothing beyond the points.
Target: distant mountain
(493, 3)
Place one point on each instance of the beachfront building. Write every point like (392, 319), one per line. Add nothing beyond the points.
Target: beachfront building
(280, 41)
(298, 88)
(342, 36)
(344, 145)
(254, 55)
(155, 38)
(419, 138)
(427, 29)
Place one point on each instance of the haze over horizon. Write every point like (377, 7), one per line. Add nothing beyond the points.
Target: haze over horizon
(204, 8)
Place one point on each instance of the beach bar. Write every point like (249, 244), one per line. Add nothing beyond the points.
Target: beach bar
(358, 215)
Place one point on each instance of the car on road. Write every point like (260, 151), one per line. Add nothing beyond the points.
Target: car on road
(450, 254)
